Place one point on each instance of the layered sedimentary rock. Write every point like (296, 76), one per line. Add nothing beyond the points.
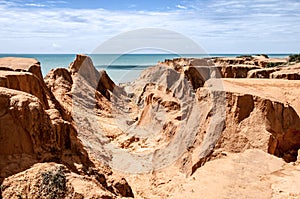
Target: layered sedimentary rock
(259, 66)
(26, 82)
(251, 120)
(237, 71)
(262, 73)
(289, 73)
(36, 127)
(26, 113)
(21, 65)
(261, 61)
(168, 132)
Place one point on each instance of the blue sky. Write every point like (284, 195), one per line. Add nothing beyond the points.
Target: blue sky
(219, 26)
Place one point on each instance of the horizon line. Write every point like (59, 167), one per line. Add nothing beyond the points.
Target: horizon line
(221, 53)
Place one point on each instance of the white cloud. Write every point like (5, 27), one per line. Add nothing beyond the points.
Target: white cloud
(220, 26)
(181, 7)
(35, 5)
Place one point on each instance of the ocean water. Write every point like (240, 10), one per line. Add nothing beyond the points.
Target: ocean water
(121, 68)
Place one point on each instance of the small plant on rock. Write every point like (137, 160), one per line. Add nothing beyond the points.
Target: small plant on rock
(53, 185)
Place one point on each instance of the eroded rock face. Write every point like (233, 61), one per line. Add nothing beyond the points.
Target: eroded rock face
(226, 121)
(247, 121)
(21, 65)
(257, 125)
(36, 127)
(251, 122)
(286, 74)
(197, 75)
(262, 73)
(284, 125)
(290, 72)
(59, 81)
(257, 67)
(26, 82)
(237, 71)
(260, 61)
(85, 67)
(32, 134)
(178, 122)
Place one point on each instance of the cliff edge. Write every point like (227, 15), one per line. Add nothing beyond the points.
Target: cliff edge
(182, 128)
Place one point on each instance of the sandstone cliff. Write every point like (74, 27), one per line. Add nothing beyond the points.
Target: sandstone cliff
(38, 128)
(182, 128)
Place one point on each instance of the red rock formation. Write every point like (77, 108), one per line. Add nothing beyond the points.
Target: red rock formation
(35, 127)
(26, 82)
(30, 128)
(59, 82)
(237, 71)
(286, 74)
(21, 65)
(262, 73)
(179, 118)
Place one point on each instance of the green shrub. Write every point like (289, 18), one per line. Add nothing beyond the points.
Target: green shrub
(53, 184)
(244, 56)
(294, 58)
(273, 64)
(264, 55)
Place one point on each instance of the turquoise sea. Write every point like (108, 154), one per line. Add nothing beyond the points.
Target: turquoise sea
(121, 68)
